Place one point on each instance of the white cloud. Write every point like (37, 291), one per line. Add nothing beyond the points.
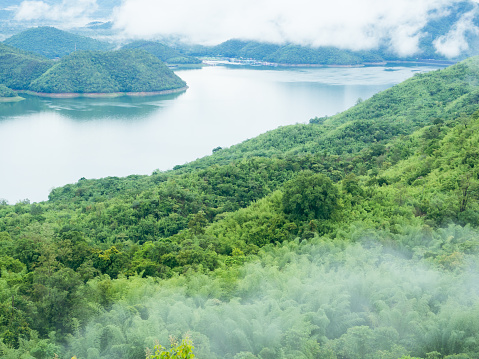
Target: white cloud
(353, 24)
(31, 10)
(67, 12)
(454, 42)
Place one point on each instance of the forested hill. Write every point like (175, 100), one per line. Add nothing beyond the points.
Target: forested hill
(54, 43)
(163, 52)
(107, 72)
(86, 71)
(352, 237)
(19, 68)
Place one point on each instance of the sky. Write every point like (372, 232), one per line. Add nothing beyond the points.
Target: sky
(348, 24)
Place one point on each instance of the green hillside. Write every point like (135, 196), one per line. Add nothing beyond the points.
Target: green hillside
(19, 68)
(53, 43)
(107, 72)
(163, 52)
(352, 237)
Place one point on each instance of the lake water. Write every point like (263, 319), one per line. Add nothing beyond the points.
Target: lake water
(47, 143)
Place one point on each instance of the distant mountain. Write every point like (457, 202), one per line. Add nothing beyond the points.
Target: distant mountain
(288, 54)
(19, 68)
(163, 52)
(108, 72)
(54, 43)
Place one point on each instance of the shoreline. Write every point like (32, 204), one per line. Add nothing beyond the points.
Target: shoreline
(102, 94)
(256, 63)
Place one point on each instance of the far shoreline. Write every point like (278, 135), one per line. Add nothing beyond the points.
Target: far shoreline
(102, 94)
(231, 61)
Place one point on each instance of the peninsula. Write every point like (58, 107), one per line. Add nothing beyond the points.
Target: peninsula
(8, 95)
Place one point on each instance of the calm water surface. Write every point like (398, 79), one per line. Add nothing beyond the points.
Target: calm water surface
(47, 143)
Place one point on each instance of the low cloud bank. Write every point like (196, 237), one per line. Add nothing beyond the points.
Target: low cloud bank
(346, 24)
(454, 42)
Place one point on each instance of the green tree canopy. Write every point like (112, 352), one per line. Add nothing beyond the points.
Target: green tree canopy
(310, 196)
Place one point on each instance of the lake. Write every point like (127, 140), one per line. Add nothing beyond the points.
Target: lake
(46, 143)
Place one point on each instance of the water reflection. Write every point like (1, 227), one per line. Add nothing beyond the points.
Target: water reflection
(88, 109)
(29, 105)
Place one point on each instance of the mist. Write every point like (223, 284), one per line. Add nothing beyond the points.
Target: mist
(454, 42)
(304, 300)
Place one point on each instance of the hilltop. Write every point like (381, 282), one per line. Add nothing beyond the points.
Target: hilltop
(53, 43)
(354, 236)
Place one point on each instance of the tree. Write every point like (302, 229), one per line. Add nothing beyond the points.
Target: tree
(310, 196)
(198, 223)
(184, 350)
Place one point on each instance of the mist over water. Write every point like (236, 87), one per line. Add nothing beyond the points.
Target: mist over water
(48, 143)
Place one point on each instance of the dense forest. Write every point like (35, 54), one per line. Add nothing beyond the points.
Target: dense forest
(107, 72)
(54, 43)
(354, 236)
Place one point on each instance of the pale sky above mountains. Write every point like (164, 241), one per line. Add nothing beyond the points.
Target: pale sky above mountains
(351, 24)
